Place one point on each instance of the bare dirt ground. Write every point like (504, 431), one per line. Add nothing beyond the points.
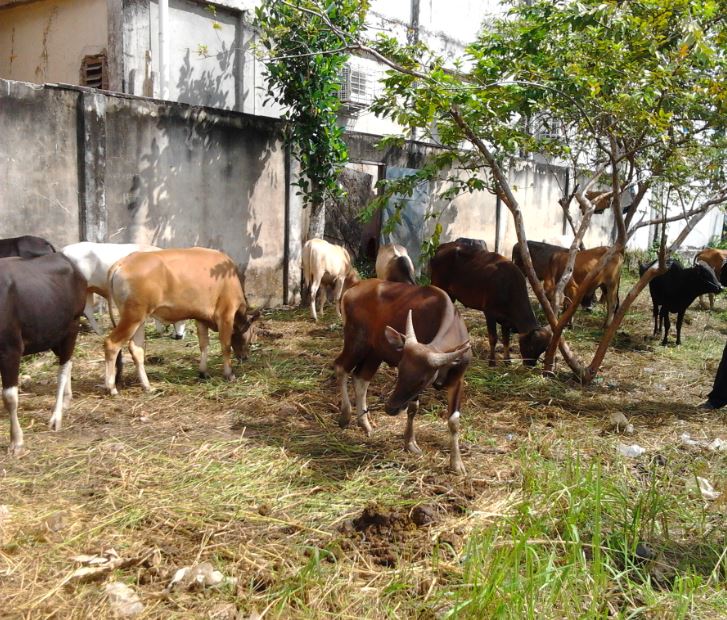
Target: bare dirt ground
(304, 519)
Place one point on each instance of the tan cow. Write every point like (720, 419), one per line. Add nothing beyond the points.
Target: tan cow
(608, 278)
(173, 285)
(328, 265)
(394, 264)
(715, 259)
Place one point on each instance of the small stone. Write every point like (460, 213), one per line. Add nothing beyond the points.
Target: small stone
(123, 600)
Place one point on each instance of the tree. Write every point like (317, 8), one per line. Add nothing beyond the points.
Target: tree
(306, 44)
(633, 94)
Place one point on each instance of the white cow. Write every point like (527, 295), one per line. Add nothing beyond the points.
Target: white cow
(393, 263)
(330, 265)
(94, 260)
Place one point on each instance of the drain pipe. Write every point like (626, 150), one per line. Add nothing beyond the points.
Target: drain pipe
(164, 49)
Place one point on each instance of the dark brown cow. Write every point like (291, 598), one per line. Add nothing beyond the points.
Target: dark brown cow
(608, 278)
(540, 254)
(41, 301)
(489, 282)
(418, 330)
(26, 246)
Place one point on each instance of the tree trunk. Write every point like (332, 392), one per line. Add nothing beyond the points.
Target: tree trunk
(317, 221)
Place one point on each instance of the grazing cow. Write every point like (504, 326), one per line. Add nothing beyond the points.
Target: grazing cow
(174, 285)
(491, 283)
(540, 254)
(328, 265)
(717, 260)
(394, 264)
(675, 290)
(608, 278)
(94, 260)
(417, 329)
(41, 300)
(26, 246)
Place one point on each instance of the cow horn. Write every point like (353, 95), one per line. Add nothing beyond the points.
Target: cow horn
(437, 360)
(410, 335)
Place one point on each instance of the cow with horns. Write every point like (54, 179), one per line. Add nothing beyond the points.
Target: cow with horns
(418, 330)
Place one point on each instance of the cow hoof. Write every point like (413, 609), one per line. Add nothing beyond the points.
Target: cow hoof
(16, 450)
(54, 425)
(458, 468)
(492, 363)
(177, 336)
(413, 448)
(203, 375)
(231, 377)
(343, 421)
(113, 392)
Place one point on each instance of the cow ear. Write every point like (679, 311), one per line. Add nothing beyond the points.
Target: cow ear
(394, 338)
(251, 318)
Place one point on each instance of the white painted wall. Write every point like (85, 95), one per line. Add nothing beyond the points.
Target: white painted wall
(45, 41)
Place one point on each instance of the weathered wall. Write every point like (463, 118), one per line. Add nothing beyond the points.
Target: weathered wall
(45, 41)
(38, 162)
(79, 164)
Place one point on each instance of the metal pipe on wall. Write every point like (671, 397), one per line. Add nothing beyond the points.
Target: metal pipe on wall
(164, 49)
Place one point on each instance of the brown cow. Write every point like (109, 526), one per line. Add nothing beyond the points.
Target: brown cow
(608, 278)
(417, 329)
(174, 285)
(394, 264)
(716, 260)
(491, 283)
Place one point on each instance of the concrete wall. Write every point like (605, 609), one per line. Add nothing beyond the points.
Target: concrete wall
(45, 41)
(78, 164)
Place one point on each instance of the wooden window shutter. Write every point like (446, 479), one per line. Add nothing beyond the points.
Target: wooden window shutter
(94, 71)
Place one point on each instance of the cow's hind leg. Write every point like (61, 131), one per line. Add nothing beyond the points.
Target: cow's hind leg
(121, 334)
(64, 382)
(360, 387)
(10, 369)
(664, 316)
(492, 339)
(337, 293)
(680, 320)
(342, 377)
(314, 286)
(136, 348)
(506, 344)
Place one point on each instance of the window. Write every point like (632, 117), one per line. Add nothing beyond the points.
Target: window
(94, 71)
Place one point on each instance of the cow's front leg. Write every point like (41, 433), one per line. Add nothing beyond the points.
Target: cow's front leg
(203, 336)
(88, 313)
(314, 286)
(667, 324)
(360, 386)
(454, 394)
(410, 442)
(345, 418)
(10, 400)
(226, 342)
(64, 381)
(506, 344)
(136, 348)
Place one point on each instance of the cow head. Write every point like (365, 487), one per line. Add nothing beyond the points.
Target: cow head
(244, 331)
(533, 344)
(707, 279)
(419, 366)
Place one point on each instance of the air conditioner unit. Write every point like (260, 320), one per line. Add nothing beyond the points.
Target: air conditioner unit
(356, 88)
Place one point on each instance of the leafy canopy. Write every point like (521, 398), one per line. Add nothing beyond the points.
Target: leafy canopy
(305, 42)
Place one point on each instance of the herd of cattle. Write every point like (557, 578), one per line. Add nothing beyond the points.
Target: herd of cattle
(388, 319)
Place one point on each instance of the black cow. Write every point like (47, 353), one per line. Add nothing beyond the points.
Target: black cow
(41, 300)
(465, 243)
(675, 290)
(26, 246)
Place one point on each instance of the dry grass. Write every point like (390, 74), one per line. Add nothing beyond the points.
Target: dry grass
(257, 478)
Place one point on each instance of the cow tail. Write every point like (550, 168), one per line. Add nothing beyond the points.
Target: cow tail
(112, 272)
(306, 265)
